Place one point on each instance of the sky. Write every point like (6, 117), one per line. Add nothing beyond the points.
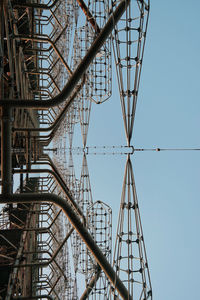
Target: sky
(167, 116)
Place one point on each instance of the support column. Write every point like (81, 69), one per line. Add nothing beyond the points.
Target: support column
(6, 155)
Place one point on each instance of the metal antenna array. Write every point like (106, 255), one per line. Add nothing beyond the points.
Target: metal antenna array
(129, 42)
(55, 63)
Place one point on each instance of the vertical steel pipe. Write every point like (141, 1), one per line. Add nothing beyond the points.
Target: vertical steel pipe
(6, 156)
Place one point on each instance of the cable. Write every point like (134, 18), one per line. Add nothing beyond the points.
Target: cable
(169, 149)
(118, 150)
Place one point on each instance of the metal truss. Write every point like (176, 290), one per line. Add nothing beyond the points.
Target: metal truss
(129, 41)
(130, 260)
(55, 63)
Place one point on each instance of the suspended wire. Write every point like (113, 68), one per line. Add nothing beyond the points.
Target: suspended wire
(116, 150)
(169, 149)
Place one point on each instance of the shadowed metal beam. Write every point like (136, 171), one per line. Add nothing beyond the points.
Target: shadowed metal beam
(6, 158)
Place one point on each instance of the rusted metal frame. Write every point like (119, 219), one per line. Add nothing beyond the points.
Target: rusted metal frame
(54, 127)
(4, 238)
(49, 85)
(22, 16)
(45, 282)
(57, 7)
(36, 229)
(44, 90)
(43, 57)
(19, 220)
(53, 286)
(50, 187)
(50, 61)
(52, 237)
(16, 55)
(45, 229)
(80, 228)
(7, 257)
(2, 25)
(47, 74)
(56, 19)
(45, 40)
(58, 37)
(52, 65)
(15, 31)
(91, 284)
(40, 230)
(81, 68)
(42, 21)
(6, 156)
(52, 259)
(46, 181)
(24, 21)
(59, 180)
(34, 297)
(29, 148)
(46, 160)
(13, 274)
(51, 164)
(36, 5)
(21, 72)
(50, 114)
(48, 37)
(89, 16)
(10, 50)
(1, 56)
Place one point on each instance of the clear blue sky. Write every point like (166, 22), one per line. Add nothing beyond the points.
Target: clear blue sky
(167, 183)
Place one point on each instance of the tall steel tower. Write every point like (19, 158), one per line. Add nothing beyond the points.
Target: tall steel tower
(56, 61)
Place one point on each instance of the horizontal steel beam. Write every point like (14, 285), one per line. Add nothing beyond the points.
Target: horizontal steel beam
(79, 227)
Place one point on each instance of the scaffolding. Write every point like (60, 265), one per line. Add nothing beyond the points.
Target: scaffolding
(55, 63)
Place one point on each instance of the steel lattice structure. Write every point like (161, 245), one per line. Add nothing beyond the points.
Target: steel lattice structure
(56, 63)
